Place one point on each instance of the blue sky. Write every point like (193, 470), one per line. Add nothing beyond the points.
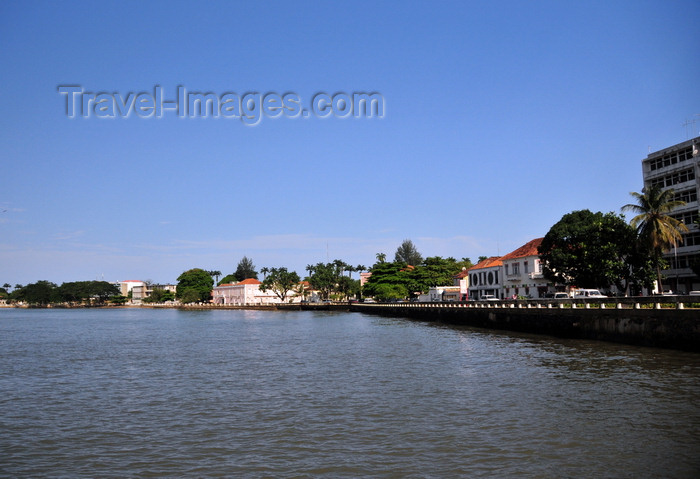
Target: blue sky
(500, 117)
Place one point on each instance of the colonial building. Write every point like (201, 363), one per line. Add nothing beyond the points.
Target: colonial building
(678, 167)
(485, 278)
(248, 292)
(522, 272)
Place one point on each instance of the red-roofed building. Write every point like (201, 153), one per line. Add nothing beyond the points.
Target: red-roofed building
(522, 272)
(248, 292)
(485, 278)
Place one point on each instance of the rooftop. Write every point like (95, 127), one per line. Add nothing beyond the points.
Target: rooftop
(487, 263)
(528, 249)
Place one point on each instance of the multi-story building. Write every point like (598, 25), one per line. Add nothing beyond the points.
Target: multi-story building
(145, 290)
(485, 278)
(522, 272)
(678, 167)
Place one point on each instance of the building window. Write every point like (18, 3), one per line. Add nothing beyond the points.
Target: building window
(526, 267)
(506, 270)
(516, 268)
(671, 159)
(688, 217)
(674, 178)
(687, 196)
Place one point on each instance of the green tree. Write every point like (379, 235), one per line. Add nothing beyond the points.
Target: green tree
(389, 279)
(42, 292)
(326, 277)
(657, 231)
(79, 291)
(408, 253)
(194, 285)
(591, 250)
(229, 278)
(119, 299)
(389, 292)
(280, 281)
(381, 257)
(159, 295)
(245, 269)
(435, 271)
(214, 274)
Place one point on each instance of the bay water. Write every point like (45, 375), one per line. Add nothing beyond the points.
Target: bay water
(137, 392)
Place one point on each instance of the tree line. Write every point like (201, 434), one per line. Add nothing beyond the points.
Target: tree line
(45, 292)
(585, 249)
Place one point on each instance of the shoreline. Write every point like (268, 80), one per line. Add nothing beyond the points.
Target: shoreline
(637, 321)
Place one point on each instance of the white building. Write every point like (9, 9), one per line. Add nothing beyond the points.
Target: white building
(485, 278)
(248, 292)
(126, 286)
(678, 167)
(522, 272)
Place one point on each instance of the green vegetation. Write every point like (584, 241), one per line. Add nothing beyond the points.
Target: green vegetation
(245, 269)
(75, 292)
(280, 281)
(160, 296)
(657, 231)
(592, 250)
(194, 286)
(408, 253)
(398, 280)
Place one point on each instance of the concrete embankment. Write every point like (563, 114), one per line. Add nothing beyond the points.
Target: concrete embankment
(665, 328)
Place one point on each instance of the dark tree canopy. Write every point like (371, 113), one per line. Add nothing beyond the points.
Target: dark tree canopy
(408, 253)
(280, 281)
(592, 250)
(245, 269)
(194, 285)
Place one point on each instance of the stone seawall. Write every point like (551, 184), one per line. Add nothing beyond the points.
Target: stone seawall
(665, 328)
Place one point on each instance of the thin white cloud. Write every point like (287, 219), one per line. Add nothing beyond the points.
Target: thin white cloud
(68, 235)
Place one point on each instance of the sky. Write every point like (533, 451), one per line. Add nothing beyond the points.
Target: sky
(498, 118)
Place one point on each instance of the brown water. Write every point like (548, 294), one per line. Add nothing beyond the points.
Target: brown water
(167, 393)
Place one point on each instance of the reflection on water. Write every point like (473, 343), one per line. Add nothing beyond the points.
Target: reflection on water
(301, 394)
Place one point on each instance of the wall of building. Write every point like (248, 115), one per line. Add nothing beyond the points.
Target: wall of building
(677, 167)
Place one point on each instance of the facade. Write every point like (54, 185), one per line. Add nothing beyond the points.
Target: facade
(248, 292)
(522, 272)
(485, 278)
(678, 167)
(128, 285)
(142, 291)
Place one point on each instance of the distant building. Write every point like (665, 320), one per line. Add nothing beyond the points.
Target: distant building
(126, 286)
(522, 272)
(248, 292)
(678, 167)
(142, 291)
(485, 278)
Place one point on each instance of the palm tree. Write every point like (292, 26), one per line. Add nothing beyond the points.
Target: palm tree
(656, 230)
(264, 271)
(381, 257)
(216, 274)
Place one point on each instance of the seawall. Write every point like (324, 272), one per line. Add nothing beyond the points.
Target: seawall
(664, 328)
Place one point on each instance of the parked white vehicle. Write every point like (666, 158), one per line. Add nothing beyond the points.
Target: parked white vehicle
(588, 293)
